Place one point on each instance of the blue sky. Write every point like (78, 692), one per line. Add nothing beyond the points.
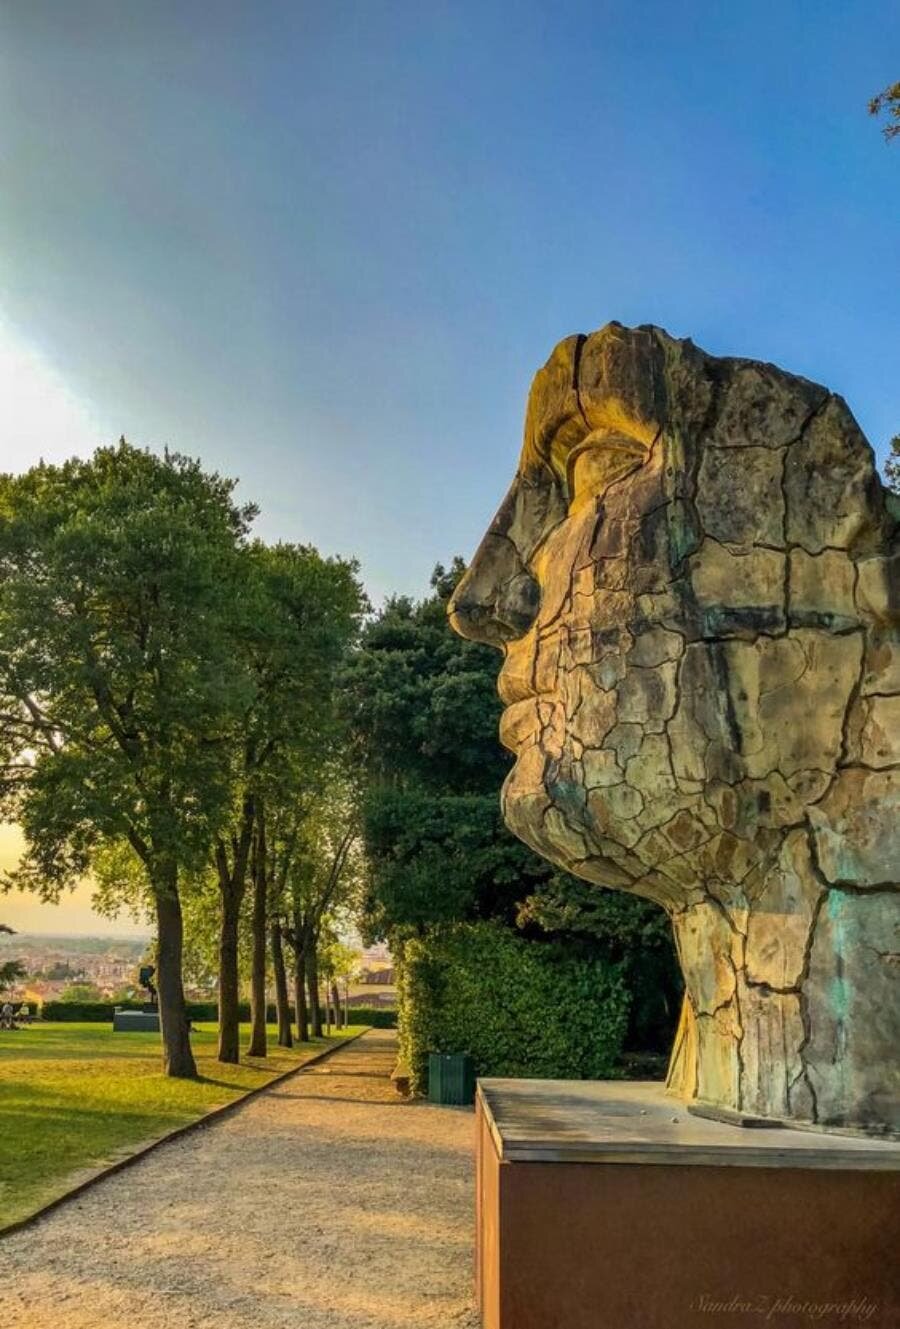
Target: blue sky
(325, 246)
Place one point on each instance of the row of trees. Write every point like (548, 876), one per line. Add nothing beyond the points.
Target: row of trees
(168, 717)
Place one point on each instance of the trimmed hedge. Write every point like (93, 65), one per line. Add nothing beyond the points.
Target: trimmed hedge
(379, 1017)
(518, 1007)
(85, 1012)
(101, 1012)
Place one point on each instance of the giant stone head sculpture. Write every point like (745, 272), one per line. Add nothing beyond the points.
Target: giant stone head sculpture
(695, 582)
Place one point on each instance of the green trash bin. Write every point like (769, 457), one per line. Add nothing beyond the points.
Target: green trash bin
(451, 1078)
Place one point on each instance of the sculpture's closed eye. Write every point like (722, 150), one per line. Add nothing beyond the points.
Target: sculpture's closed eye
(597, 462)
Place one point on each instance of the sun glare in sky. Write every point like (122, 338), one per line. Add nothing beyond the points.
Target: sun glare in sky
(73, 916)
(41, 416)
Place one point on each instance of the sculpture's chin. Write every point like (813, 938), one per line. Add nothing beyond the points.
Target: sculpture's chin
(548, 816)
(524, 803)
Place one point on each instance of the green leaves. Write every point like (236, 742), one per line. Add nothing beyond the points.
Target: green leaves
(892, 466)
(888, 101)
(10, 973)
(423, 710)
(117, 579)
(517, 1007)
(442, 857)
(423, 703)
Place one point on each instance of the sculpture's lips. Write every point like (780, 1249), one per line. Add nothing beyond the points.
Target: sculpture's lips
(514, 682)
(519, 722)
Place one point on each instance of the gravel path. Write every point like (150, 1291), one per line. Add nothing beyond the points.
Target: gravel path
(326, 1203)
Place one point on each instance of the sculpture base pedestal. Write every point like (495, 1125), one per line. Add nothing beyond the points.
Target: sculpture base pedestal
(605, 1205)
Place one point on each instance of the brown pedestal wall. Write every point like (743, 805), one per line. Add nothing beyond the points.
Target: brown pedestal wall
(574, 1245)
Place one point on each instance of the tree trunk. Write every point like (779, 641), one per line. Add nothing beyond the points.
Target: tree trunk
(312, 983)
(336, 1003)
(229, 993)
(281, 989)
(258, 1047)
(300, 983)
(178, 1059)
(232, 883)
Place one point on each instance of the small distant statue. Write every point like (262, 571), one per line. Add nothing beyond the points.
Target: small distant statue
(695, 583)
(145, 978)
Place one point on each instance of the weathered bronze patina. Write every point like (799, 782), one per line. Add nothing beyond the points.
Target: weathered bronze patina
(695, 581)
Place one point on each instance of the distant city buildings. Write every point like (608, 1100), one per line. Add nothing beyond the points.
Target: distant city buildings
(109, 965)
(53, 964)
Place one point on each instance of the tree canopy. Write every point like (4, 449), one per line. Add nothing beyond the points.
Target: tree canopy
(892, 465)
(119, 577)
(423, 711)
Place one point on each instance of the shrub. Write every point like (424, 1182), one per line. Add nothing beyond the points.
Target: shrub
(518, 1007)
(379, 1017)
(85, 1012)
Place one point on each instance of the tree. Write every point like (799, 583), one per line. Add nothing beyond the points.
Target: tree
(337, 961)
(279, 970)
(299, 615)
(200, 955)
(888, 101)
(118, 580)
(310, 610)
(323, 877)
(892, 466)
(10, 970)
(423, 710)
(78, 992)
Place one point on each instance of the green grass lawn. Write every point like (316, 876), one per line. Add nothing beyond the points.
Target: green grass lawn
(76, 1096)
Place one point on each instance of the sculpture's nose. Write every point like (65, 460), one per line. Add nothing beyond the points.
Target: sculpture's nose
(497, 599)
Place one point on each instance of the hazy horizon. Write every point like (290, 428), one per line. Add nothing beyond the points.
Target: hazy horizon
(72, 917)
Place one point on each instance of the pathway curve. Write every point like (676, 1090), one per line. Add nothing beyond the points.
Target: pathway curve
(326, 1203)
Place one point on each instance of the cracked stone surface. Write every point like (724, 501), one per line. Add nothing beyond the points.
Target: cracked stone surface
(695, 583)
